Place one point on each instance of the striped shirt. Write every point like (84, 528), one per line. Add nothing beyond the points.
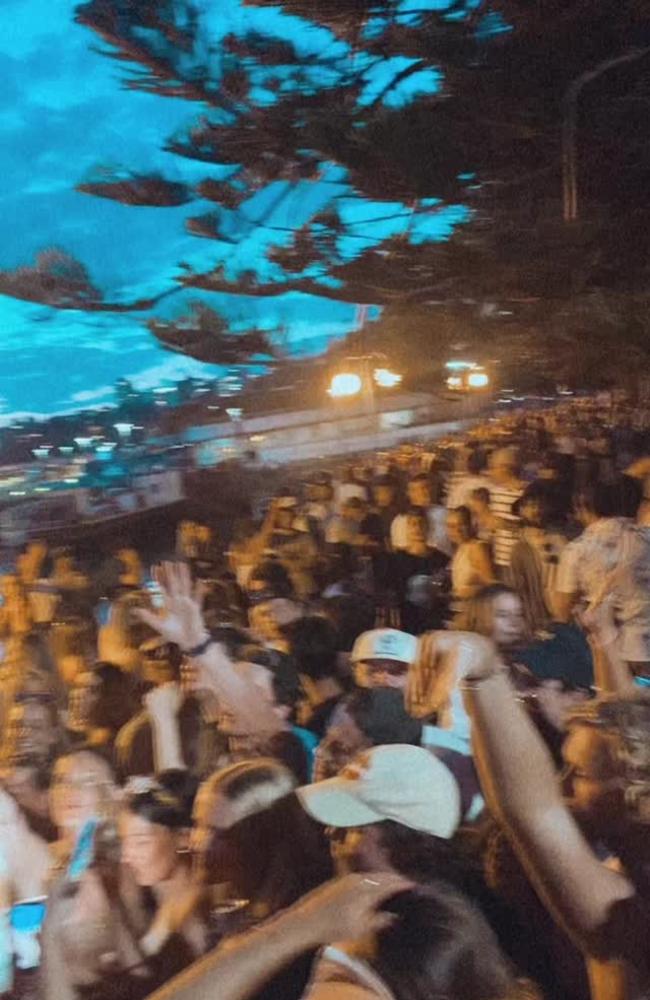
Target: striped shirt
(502, 500)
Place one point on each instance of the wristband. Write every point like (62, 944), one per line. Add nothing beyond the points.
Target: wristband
(200, 648)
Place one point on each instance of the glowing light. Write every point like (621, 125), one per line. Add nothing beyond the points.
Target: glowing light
(84, 442)
(386, 379)
(478, 380)
(454, 382)
(344, 384)
(457, 366)
(124, 430)
(41, 452)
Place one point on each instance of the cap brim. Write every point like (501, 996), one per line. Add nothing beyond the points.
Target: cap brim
(334, 803)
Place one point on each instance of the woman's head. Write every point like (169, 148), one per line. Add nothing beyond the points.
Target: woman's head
(459, 525)
(101, 698)
(275, 855)
(154, 826)
(229, 796)
(496, 612)
(83, 788)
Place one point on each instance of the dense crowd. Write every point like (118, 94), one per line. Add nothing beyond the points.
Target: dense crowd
(390, 741)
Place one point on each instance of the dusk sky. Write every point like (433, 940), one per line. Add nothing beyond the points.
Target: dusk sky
(64, 114)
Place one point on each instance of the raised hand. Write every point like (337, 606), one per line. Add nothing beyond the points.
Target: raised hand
(348, 908)
(180, 619)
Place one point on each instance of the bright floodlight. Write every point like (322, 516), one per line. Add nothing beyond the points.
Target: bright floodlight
(345, 384)
(386, 379)
(454, 382)
(477, 380)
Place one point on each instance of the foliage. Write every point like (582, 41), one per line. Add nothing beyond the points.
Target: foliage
(406, 113)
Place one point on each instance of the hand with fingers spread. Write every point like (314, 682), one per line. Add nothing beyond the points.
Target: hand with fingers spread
(181, 617)
(348, 908)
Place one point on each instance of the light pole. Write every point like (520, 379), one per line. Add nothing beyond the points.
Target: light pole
(570, 127)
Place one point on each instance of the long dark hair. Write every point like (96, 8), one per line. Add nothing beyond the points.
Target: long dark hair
(440, 947)
(280, 854)
(165, 801)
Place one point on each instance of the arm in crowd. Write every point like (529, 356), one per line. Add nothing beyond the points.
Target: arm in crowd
(163, 705)
(611, 673)
(235, 685)
(521, 786)
(343, 909)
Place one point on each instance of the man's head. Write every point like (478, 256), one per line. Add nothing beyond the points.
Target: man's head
(533, 508)
(620, 498)
(31, 731)
(384, 491)
(607, 758)
(417, 527)
(313, 644)
(384, 787)
(479, 501)
(382, 657)
(503, 465)
(419, 491)
(354, 509)
(285, 508)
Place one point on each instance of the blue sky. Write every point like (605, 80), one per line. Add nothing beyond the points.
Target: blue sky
(63, 113)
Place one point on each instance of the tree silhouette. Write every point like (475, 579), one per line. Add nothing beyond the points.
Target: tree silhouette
(204, 335)
(441, 136)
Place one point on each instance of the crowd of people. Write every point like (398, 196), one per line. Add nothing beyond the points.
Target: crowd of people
(389, 741)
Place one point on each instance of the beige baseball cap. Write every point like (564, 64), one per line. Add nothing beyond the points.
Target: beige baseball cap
(402, 783)
(385, 644)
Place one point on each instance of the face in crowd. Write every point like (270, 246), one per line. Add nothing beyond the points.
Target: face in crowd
(508, 623)
(82, 789)
(30, 733)
(416, 530)
(381, 673)
(418, 493)
(151, 851)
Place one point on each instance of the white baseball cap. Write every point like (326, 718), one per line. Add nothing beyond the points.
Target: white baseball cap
(385, 644)
(403, 783)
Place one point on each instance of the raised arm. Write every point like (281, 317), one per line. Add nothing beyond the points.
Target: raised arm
(163, 705)
(521, 786)
(237, 686)
(343, 909)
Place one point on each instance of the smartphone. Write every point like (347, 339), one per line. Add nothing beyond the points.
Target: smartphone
(28, 915)
(84, 852)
